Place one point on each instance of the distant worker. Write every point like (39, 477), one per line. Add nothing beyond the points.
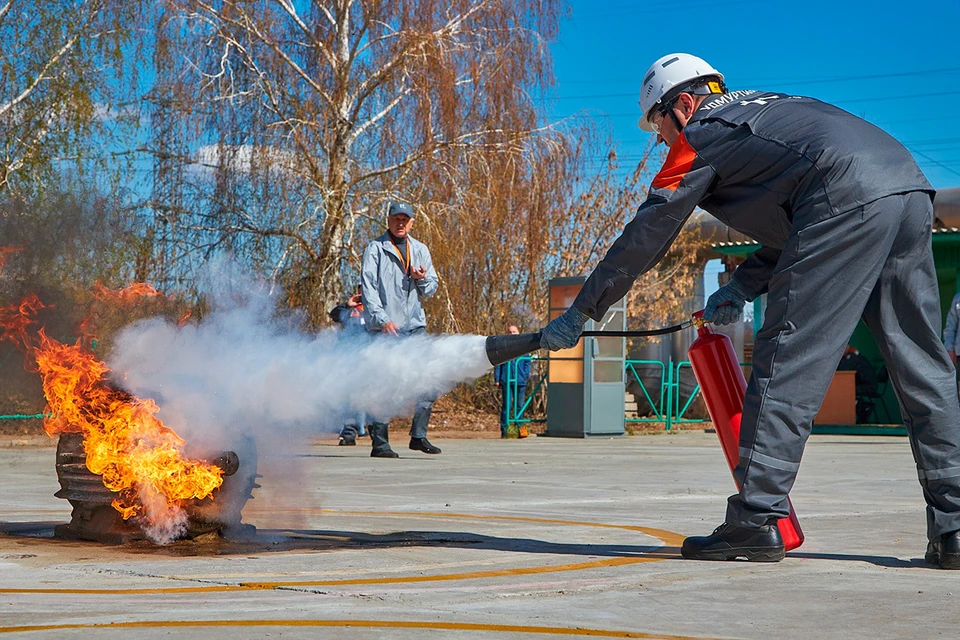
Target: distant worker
(397, 275)
(951, 336)
(512, 396)
(844, 217)
(349, 315)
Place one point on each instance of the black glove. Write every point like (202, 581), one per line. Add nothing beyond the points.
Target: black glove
(563, 332)
(725, 306)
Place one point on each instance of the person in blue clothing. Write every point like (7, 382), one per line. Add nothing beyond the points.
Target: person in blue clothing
(349, 315)
(511, 396)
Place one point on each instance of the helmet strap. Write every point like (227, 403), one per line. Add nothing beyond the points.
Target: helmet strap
(676, 120)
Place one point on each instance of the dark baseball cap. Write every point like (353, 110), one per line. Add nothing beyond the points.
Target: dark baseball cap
(398, 208)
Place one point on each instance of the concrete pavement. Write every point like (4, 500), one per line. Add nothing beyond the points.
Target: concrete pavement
(534, 538)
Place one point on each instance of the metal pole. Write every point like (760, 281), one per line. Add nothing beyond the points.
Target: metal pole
(668, 410)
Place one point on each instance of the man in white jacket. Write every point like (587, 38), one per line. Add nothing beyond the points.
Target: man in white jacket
(397, 274)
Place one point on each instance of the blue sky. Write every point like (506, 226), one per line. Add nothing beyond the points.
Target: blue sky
(897, 64)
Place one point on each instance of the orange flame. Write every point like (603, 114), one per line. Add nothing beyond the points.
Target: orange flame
(137, 456)
(16, 319)
(125, 295)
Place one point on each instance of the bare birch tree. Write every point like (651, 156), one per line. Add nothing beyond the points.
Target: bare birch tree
(311, 115)
(54, 89)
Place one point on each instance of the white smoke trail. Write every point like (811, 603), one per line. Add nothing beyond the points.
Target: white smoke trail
(161, 521)
(239, 368)
(244, 373)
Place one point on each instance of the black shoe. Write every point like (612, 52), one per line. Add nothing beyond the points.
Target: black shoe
(347, 442)
(729, 542)
(384, 453)
(422, 444)
(945, 552)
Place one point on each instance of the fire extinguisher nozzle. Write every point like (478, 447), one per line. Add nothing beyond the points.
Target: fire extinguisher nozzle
(504, 348)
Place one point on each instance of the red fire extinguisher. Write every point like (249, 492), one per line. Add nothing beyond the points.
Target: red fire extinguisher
(723, 387)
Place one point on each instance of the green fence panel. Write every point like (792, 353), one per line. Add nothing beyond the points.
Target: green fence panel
(660, 410)
(515, 414)
(681, 411)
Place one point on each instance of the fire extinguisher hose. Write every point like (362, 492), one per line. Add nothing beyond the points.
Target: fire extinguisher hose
(638, 333)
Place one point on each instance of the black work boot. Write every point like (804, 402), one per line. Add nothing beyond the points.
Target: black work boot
(729, 542)
(381, 441)
(347, 442)
(422, 444)
(945, 551)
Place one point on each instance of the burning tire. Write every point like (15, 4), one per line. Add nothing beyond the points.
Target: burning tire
(94, 517)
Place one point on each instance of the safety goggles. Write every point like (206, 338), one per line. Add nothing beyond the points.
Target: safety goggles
(660, 113)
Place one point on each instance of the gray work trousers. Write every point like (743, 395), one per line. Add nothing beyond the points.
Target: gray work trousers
(421, 415)
(353, 428)
(418, 428)
(874, 262)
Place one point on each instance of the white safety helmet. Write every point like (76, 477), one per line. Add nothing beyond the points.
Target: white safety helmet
(670, 71)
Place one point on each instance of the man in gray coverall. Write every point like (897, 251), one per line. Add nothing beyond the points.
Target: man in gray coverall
(397, 273)
(844, 217)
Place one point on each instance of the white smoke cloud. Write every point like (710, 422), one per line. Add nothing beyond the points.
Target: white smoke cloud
(246, 377)
(244, 368)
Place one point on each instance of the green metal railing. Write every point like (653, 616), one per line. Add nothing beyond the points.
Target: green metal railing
(666, 402)
(667, 409)
(659, 408)
(516, 410)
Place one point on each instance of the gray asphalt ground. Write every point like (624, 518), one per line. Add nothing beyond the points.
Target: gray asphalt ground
(534, 538)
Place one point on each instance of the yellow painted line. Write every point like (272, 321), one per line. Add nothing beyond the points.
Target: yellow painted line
(376, 624)
(667, 537)
(494, 573)
(266, 586)
(136, 592)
